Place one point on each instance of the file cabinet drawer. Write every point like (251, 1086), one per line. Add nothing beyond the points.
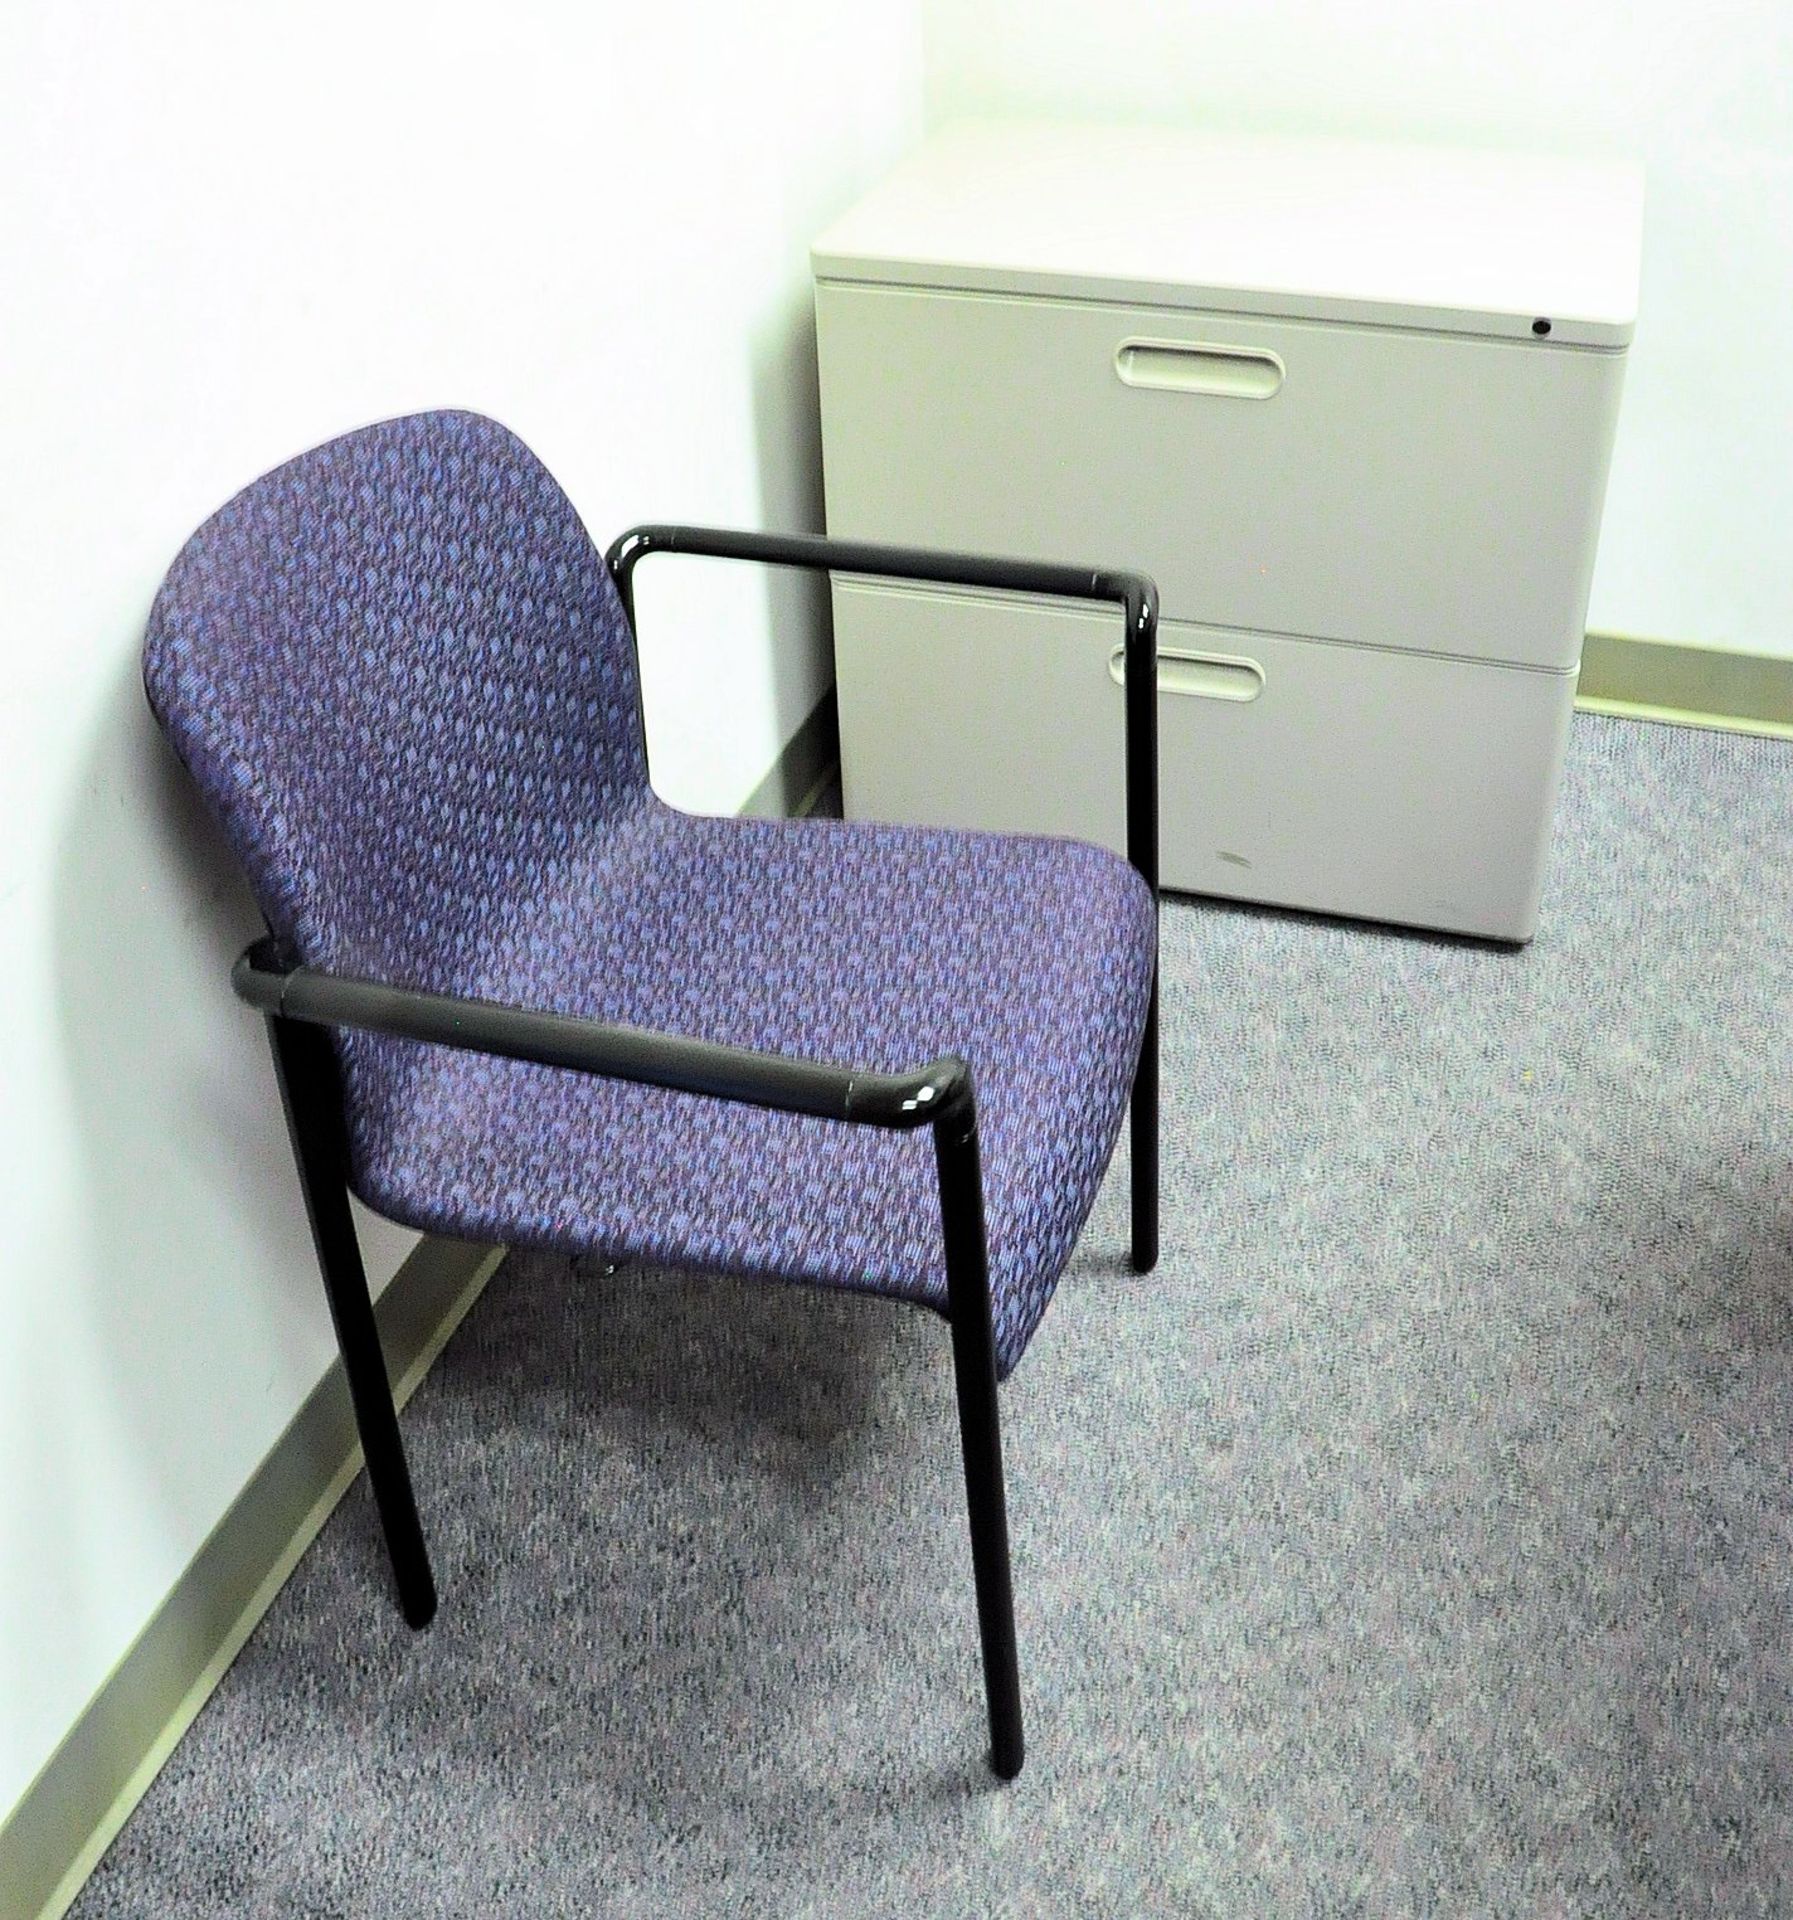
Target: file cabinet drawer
(1380, 784)
(1380, 485)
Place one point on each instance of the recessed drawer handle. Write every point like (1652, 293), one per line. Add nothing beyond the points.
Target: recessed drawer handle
(1185, 366)
(1206, 676)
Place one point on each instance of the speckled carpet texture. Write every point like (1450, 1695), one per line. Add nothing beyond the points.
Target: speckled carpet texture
(1418, 1539)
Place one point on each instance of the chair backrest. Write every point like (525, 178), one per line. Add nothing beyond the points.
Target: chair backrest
(399, 671)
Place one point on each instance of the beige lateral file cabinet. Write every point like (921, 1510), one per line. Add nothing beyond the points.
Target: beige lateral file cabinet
(1351, 406)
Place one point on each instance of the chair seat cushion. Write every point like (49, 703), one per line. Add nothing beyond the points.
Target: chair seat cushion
(878, 947)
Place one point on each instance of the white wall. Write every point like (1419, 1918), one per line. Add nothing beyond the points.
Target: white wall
(1701, 503)
(229, 231)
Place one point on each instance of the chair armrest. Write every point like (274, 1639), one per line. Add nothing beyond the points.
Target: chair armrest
(817, 553)
(897, 1101)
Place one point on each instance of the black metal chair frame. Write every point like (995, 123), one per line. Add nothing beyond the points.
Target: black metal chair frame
(301, 1003)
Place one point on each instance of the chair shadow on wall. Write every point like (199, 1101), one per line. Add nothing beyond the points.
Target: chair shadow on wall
(169, 1094)
(787, 418)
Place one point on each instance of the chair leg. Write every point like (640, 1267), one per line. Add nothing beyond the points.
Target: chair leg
(1145, 1143)
(980, 1430)
(307, 1073)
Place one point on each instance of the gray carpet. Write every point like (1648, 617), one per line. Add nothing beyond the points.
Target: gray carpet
(1418, 1539)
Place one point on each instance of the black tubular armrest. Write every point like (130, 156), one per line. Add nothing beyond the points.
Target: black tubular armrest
(1134, 592)
(898, 1101)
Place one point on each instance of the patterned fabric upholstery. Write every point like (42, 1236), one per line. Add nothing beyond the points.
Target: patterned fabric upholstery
(399, 672)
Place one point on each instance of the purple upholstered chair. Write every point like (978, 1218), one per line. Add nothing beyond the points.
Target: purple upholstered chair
(515, 997)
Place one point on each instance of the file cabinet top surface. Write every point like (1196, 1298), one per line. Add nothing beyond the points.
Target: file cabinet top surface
(1442, 238)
